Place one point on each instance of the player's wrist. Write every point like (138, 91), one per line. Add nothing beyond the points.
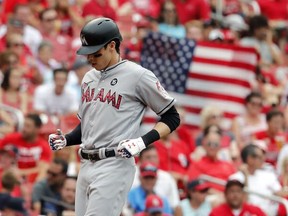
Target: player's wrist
(150, 137)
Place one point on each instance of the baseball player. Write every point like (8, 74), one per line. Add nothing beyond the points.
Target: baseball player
(115, 94)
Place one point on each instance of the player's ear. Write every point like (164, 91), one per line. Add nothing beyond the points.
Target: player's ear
(112, 45)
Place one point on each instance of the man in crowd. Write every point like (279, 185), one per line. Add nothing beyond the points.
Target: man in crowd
(235, 202)
(49, 188)
(33, 152)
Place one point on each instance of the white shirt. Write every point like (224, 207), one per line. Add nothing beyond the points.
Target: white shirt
(165, 186)
(264, 182)
(47, 101)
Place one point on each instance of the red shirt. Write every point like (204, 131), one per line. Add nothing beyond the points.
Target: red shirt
(247, 210)
(174, 158)
(192, 10)
(274, 9)
(92, 7)
(216, 168)
(273, 145)
(29, 154)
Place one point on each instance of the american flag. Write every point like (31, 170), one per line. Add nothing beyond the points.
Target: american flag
(200, 74)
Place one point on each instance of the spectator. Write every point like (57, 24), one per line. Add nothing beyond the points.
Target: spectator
(137, 196)
(261, 40)
(189, 10)
(153, 207)
(257, 179)
(99, 8)
(165, 185)
(274, 137)
(210, 164)
(194, 31)
(10, 205)
(23, 13)
(67, 201)
(49, 187)
(69, 16)
(174, 157)
(145, 8)
(15, 43)
(196, 203)
(61, 43)
(55, 98)
(235, 202)
(34, 154)
(251, 122)
(45, 62)
(11, 92)
(168, 21)
(8, 59)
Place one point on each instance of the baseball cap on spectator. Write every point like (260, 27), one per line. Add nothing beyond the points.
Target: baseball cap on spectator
(153, 204)
(79, 62)
(197, 185)
(216, 34)
(148, 170)
(235, 22)
(232, 182)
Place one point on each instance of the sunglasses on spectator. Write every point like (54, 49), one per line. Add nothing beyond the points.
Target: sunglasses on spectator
(53, 173)
(16, 44)
(50, 19)
(213, 144)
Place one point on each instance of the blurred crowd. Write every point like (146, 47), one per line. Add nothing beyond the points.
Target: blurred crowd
(40, 76)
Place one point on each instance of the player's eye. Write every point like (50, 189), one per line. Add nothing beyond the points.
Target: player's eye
(97, 55)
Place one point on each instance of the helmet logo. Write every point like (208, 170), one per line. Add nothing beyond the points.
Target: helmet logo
(83, 40)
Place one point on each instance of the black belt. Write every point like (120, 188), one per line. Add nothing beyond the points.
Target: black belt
(95, 156)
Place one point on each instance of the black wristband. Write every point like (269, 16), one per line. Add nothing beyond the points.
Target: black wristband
(150, 137)
(74, 137)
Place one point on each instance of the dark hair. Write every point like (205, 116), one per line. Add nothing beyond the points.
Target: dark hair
(162, 11)
(247, 151)
(272, 113)
(35, 118)
(63, 163)
(117, 45)
(9, 180)
(148, 148)
(4, 57)
(256, 22)
(5, 83)
(207, 130)
(251, 95)
(60, 70)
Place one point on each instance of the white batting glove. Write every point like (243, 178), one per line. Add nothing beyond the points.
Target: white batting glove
(57, 141)
(129, 148)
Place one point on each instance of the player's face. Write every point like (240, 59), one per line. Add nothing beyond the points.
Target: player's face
(104, 58)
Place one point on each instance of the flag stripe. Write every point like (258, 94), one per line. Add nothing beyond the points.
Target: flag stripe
(221, 71)
(212, 87)
(236, 82)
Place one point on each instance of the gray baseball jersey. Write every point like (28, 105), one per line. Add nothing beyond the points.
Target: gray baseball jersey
(114, 102)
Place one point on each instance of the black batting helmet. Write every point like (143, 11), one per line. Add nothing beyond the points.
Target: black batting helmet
(96, 34)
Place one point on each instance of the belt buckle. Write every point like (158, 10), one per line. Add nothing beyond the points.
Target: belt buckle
(93, 157)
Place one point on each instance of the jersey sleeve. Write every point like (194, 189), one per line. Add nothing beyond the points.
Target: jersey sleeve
(150, 92)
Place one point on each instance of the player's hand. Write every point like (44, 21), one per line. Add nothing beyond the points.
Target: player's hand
(57, 141)
(130, 147)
